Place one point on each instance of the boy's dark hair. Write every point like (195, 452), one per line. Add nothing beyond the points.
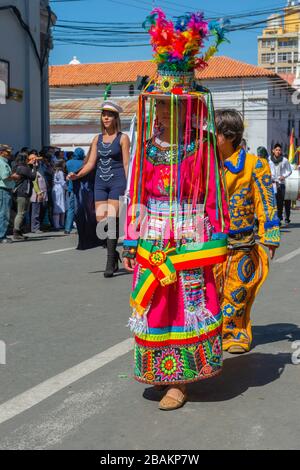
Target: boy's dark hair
(277, 145)
(229, 123)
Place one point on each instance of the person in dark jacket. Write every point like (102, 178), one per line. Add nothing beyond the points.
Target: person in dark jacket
(22, 192)
(73, 165)
(84, 211)
(47, 170)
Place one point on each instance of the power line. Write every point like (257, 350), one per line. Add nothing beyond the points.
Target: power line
(81, 33)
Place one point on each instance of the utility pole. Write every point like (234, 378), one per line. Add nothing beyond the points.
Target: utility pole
(243, 100)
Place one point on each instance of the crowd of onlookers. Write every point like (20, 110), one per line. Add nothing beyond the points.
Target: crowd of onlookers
(36, 197)
(34, 194)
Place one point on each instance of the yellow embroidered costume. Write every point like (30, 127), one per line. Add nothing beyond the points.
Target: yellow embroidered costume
(239, 279)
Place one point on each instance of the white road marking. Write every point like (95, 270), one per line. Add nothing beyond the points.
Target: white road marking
(44, 390)
(57, 251)
(50, 428)
(289, 256)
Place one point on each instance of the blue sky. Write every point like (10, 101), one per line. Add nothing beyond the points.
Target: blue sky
(243, 45)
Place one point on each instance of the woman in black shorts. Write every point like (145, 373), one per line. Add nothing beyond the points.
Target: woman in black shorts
(110, 153)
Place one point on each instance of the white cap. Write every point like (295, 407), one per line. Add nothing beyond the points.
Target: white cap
(111, 106)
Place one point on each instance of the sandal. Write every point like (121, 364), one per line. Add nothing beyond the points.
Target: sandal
(169, 403)
(236, 349)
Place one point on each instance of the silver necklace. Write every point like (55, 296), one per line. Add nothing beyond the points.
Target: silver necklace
(106, 178)
(106, 145)
(104, 170)
(106, 162)
(104, 153)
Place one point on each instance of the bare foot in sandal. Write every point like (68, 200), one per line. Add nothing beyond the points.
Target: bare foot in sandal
(175, 398)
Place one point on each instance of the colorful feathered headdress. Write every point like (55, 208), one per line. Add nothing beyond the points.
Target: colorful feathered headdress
(177, 45)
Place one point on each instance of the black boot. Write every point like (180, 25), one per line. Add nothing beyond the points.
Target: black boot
(113, 256)
(17, 235)
(117, 260)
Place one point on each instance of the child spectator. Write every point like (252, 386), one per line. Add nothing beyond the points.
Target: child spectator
(59, 196)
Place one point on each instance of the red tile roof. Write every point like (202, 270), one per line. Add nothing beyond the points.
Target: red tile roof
(225, 67)
(124, 72)
(288, 77)
(97, 74)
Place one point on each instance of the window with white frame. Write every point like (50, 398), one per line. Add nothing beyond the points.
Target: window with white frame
(285, 70)
(268, 58)
(284, 57)
(4, 80)
(266, 43)
(288, 43)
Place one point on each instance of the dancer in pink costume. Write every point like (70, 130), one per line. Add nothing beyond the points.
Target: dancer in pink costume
(177, 222)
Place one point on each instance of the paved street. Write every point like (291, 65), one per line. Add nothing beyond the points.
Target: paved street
(64, 326)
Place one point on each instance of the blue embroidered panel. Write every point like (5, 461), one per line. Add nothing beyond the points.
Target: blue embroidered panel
(240, 163)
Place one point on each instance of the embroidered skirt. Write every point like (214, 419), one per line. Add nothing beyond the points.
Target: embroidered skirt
(182, 339)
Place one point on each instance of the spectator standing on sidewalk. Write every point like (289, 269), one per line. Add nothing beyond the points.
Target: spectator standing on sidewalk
(73, 165)
(280, 169)
(39, 198)
(7, 184)
(59, 196)
(47, 169)
(85, 216)
(22, 192)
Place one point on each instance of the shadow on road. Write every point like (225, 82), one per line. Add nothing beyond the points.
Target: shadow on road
(265, 334)
(239, 374)
(41, 238)
(288, 228)
(294, 225)
(121, 272)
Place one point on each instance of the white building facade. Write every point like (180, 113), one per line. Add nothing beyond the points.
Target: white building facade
(25, 41)
(267, 106)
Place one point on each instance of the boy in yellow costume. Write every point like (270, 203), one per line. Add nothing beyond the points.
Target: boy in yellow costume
(250, 194)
